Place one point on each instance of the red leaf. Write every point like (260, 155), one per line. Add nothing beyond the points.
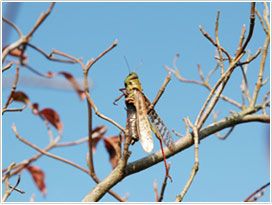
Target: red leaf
(38, 177)
(113, 148)
(20, 96)
(53, 117)
(97, 134)
(74, 83)
(16, 52)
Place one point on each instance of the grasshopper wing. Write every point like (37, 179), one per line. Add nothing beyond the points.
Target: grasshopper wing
(143, 125)
(162, 130)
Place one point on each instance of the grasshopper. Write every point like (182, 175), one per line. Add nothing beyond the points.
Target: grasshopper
(138, 125)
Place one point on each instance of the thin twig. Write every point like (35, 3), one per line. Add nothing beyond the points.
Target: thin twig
(255, 192)
(50, 56)
(155, 185)
(200, 73)
(14, 26)
(264, 102)
(218, 43)
(35, 71)
(226, 135)
(252, 58)
(16, 189)
(164, 185)
(23, 40)
(223, 80)
(101, 115)
(91, 62)
(13, 109)
(177, 74)
(65, 144)
(251, 29)
(54, 51)
(161, 91)
(214, 43)
(180, 197)
(6, 67)
(261, 20)
(6, 179)
(40, 20)
(266, 15)
(47, 153)
(9, 100)
(217, 133)
(204, 83)
(213, 70)
(261, 70)
(242, 37)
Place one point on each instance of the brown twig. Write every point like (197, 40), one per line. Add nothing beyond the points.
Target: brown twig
(217, 133)
(13, 109)
(6, 179)
(40, 20)
(196, 140)
(261, 20)
(9, 100)
(161, 91)
(242, 37)
(7, 193)
(164, 185)
(201, 118)
(264, 102)
(205, 83)
(50, 56)
(101, 115)
(15, 189)
(91, 62)
(259, 82)
(252, 58)
(218, 43)
(178, 134)
(23, 40)
(64, 144)
(213, 70)
(177, 74)
(214, 43)
(6, 67)
(45, 152)
(14, 26)
(155, 185)
(54, 51)
(255, 192)
(266, 15)
(251, 29)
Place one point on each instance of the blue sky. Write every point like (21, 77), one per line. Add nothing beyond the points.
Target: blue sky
(153, 33)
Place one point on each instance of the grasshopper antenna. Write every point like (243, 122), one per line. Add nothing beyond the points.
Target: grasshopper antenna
(140, 64)
(127, 63)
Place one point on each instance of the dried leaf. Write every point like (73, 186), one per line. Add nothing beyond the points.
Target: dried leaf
(74, 83)
(113, 148)
(53, 117)
(50, 74)
(35, 108)
(16, 52)
(97, 134)
(38, 177)
(20, 96)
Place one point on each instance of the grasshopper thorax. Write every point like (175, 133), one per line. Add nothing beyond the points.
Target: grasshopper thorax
(132, 82)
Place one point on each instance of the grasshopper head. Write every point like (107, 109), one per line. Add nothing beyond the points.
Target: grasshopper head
(132, 81)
